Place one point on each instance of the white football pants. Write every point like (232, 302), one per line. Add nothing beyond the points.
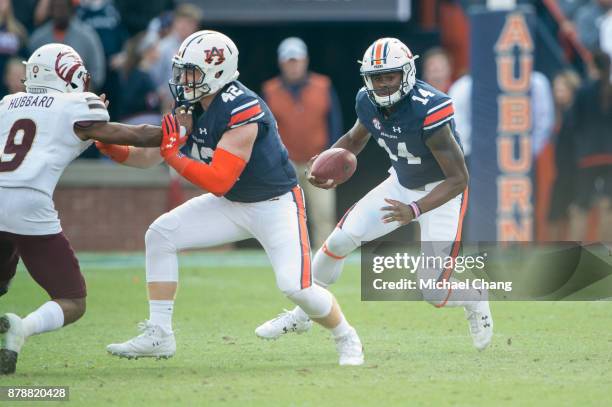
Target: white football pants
(363, 223)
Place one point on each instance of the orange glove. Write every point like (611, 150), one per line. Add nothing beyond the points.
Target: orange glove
(173, 136)
(115, 152)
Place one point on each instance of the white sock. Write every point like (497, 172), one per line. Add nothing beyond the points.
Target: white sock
(48, 317)
(341, 329)
(160, 313)
(300, 315)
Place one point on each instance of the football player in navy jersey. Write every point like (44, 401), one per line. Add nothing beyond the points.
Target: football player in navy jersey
(413, 122)
(229, 146)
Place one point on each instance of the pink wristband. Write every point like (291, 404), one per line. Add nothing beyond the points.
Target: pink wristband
(415, 209)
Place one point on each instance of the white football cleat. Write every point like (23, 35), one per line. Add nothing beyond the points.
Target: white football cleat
(282, 324)
(153, 342)
(481, 324)
(350, 349)
(13, 337)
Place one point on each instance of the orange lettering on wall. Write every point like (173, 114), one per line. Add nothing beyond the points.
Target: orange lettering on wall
(514, 114)
(506, 158)
(514, 190)
(511, 230)
(514, 33)
(505, 73)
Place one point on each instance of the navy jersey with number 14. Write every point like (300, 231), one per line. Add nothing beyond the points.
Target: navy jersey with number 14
(404, 131)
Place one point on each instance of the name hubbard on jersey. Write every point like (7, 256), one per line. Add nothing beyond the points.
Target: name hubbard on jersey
(405, 130)
(31, 101)
(268, 173)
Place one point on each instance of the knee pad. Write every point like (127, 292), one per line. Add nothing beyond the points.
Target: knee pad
(329, 260)
(159, 235)
(161, 257)
(157, 241)
(314, 301)
(340, 243)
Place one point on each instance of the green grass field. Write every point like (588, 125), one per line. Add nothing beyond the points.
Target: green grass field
(543, 354)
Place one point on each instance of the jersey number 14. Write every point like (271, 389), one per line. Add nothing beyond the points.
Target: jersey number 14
(402, 151)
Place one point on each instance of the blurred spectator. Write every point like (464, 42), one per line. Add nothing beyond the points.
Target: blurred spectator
(542, 111)
(461, 94)
(590, 122)
(185, 22)
(66, 28)
(24, 13)
(14, 75)
(102, 16)
(570, 7)
(588, 20)
(140, 102)
(13, 36)
(309, 119)
(136, 14)
(605, 34)
(161, 25)
(437, 69)
(565, 85)
(42, 12)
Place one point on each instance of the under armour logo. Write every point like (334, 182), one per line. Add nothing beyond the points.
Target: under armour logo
(203, 131)
(397, 129)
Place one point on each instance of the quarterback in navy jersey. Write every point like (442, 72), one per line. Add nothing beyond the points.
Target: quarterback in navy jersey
(224, 139)
(413, 122)
(404, 129)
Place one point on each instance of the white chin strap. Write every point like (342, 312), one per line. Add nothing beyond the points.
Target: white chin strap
(388, 100)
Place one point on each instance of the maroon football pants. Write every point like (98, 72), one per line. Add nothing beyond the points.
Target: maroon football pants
(49, 259)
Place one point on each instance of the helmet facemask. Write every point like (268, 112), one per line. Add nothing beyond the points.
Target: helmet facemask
(187, 84)
(205, 62)
(387, 55)
(405, 85)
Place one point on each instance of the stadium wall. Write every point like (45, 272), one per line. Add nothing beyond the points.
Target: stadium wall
(106, 207)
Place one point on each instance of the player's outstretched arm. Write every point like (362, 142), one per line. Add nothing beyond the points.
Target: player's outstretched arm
(143, 135)
(355, 139)
(229, 160)
(137, 157)
(448, 154)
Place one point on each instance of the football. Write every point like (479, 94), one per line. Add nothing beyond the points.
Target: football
(337, 164)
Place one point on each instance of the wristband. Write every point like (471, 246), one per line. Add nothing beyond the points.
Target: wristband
(415, 209)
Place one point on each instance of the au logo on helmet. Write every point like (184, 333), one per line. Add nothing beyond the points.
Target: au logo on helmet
(214, 53)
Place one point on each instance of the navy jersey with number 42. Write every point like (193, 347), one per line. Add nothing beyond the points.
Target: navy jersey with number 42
(405, 130)
(268, 173)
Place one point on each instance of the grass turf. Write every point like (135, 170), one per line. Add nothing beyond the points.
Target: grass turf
(544, 354)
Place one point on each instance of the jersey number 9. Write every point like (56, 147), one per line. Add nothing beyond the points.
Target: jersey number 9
(17, 148)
